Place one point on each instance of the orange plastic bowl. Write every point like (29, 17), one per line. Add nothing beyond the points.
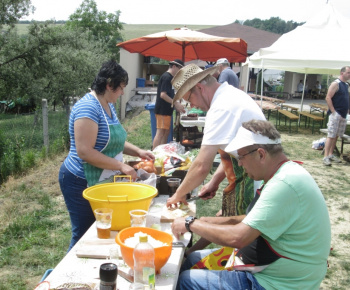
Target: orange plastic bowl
(162, 254)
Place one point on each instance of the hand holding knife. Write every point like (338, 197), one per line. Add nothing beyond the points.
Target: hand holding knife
(195, 197)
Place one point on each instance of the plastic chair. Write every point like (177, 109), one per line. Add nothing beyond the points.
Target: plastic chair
(47, 273)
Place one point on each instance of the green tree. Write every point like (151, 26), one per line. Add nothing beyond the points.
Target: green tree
(274, 24)
(49, 62)
(100, 25)
(12, 10)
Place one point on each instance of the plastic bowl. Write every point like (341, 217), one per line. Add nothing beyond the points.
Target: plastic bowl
(162, 254)
(122, 197)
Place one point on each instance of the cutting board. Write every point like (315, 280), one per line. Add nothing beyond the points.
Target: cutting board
(168, 215)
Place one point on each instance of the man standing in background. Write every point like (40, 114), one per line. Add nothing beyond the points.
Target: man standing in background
(226, 73)
(338, 107)
(163, 108)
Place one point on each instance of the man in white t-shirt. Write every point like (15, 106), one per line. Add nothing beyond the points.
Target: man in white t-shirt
(227, 108)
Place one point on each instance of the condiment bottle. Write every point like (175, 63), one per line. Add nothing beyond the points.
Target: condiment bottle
(108, 276)
(144, 270)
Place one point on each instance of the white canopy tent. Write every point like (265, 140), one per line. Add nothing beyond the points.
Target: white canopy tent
(320, 46)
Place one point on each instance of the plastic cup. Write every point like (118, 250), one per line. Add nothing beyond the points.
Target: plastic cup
(138, 218)
(159, 169)
(114, 255)
(173, 185)
(103, 222)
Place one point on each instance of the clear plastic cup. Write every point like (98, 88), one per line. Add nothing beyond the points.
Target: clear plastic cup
(138, 218)
(173, 185)
(103, 222)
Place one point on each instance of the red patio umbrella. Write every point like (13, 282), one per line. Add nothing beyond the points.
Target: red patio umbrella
(188, 45)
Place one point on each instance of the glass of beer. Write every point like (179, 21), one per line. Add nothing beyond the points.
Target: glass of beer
(173, 184)
(103, 222)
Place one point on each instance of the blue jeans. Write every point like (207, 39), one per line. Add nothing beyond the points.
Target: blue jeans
(210, 279)
(80, 212)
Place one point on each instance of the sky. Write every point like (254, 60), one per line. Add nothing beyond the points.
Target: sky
(190, 12)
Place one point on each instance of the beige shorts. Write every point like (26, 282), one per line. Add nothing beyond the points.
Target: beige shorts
(336, 125)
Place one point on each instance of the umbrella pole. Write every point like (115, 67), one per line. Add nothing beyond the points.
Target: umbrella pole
(262, 83)
(302, 97)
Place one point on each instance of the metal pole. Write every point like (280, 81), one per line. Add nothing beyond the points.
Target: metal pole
(45, 124)
(262, 82)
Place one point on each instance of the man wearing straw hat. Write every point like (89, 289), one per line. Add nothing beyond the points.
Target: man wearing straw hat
(284, 240)
(227, 107)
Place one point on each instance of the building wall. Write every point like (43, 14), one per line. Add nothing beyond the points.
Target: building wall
(133, 64)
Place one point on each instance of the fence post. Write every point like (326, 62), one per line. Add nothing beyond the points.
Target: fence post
(45, 124)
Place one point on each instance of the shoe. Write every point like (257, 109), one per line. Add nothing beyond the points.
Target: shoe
(327, 161)
(334, 159)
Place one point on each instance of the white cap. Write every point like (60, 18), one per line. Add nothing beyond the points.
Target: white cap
(221, 61)
(246, 138)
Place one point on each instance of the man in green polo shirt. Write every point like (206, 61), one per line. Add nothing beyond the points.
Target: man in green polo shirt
(285, 236)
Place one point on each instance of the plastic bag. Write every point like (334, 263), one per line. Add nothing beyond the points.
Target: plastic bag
(146, 178)
(170, 148)
(225, 259)
(319, 144)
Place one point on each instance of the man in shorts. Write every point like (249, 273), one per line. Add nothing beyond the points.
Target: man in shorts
(338, 107)
(163, 108)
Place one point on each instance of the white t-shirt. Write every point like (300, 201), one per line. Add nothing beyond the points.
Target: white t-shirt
(229, 108)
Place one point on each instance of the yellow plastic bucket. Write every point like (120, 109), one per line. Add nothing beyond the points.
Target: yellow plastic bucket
(122, 197)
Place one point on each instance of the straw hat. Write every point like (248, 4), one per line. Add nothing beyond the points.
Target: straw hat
(187, 77)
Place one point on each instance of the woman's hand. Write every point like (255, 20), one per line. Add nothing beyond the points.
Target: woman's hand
(143, 154)
(128, 170)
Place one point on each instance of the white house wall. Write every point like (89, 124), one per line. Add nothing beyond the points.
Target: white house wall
(133, 64)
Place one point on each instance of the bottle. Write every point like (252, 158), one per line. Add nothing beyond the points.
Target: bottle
(144, 271)
(108, 276)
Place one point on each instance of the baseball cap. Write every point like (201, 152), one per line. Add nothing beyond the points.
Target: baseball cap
(177, 62)
(221, 61)
(246, 138)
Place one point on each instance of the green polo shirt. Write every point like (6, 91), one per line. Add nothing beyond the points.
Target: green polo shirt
(292, 216)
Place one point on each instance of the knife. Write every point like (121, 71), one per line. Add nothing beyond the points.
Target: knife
(195, 197)
(126, 276)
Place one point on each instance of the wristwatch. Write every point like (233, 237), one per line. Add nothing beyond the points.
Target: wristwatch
(188, 221)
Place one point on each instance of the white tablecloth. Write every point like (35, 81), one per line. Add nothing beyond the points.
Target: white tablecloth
(86, 270)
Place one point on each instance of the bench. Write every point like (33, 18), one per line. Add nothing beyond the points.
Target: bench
(312, 117)
(314, 107)
(292, 109)
(268, 108)
(288, 115)
(297, 94)
(344, 140)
